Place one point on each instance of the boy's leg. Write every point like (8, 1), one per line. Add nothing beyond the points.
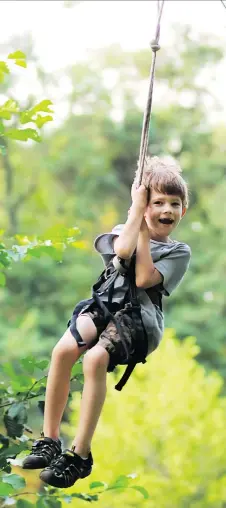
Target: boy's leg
(64, 355)
(95, 366)
(77, 462)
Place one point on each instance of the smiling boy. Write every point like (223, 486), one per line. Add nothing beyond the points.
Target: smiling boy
(105, 326)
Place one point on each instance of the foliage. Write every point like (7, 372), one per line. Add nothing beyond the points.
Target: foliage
(80, 174)
(18, 387)
(167, 428)
(82, 171)
(11, 109)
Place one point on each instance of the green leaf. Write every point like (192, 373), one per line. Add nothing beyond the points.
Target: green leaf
(121, 482)
(23, 503)
(23, 134)
(28, 364)
(43, 106)
(18, 412)
(2, 279)
(9, 108)
(17, 482)
(4, 258)
(21, 383)
(5, 489)
(48, 502)
(4, 67)
(41, 120)
(21, 63)
(95, 485)
(17, 55)
(26, 117)
(77, 369)
(4, 465)
(142, 490)
(42, 364)
(8, 368)
(85, 497)
(40, 250)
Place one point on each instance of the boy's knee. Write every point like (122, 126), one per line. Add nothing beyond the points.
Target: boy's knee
(95, 360)
(64, 352)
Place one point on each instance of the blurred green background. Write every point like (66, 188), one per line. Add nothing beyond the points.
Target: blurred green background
(171, 430)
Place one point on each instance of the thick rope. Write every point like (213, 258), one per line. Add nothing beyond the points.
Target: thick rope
(147, 114)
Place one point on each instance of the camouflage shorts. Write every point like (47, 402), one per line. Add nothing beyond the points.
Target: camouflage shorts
(108, 335)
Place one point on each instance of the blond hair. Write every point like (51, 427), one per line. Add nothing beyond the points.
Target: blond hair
(164, 176)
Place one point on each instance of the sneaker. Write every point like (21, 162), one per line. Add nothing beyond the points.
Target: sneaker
(43, 451)
(66, 469)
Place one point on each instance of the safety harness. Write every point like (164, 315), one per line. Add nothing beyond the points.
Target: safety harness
(128, 317)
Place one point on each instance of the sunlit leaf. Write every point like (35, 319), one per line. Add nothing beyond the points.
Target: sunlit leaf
(95, 485)
(41, 120)
(43, 106)
(4, 67)
(142, 490)
(5, 489)
(7, 109)
(17, 55)
(23, 134)
(21, 63)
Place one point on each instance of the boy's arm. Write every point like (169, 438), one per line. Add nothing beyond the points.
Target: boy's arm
(126, 243)
(146, 273)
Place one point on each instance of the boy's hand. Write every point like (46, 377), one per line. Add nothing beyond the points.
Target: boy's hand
(144, 227)
(139, 196)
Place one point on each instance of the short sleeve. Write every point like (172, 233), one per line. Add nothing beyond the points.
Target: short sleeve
(173, 267)
(104, 243)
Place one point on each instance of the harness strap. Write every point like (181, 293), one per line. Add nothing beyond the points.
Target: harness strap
(129, 369)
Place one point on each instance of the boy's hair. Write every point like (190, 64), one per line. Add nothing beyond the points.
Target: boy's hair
(165, 177)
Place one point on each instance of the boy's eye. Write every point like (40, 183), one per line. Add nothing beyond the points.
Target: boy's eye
(158, 202)
(176, 204)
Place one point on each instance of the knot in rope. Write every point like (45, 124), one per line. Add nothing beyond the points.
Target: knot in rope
(155, 45)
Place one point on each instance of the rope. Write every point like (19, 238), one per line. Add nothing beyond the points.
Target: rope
(147, 114)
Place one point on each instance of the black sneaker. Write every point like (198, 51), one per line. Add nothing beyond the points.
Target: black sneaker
(43, 451)
(66, 469)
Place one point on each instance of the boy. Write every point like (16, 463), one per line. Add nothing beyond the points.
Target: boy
(160, 264)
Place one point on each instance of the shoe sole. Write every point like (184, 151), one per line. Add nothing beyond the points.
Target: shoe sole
(50, 481)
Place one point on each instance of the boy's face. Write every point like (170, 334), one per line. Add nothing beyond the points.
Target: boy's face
(163, 213)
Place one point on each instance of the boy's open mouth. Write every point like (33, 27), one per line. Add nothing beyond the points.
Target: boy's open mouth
(166, 221)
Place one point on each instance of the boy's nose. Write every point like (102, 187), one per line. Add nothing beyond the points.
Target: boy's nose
(167, 209)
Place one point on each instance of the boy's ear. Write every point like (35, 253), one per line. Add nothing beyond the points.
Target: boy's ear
(183, 212)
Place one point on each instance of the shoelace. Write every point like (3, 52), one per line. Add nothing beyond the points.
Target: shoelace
(40, 446)
(63, 461)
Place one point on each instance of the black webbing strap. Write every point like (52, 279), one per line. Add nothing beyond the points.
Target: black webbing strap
(129, 369)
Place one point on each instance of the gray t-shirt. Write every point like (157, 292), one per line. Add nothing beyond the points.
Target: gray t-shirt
(170, 259)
